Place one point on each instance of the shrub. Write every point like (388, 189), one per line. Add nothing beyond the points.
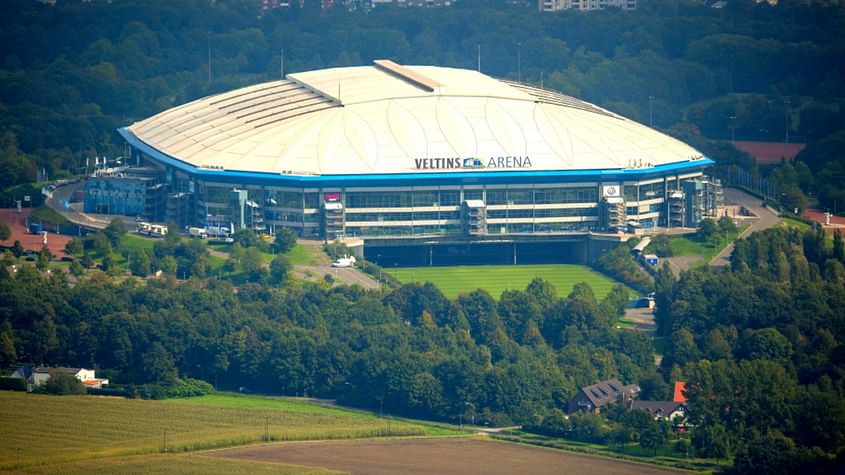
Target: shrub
(61, 385)
(12, 384)
(189, 388)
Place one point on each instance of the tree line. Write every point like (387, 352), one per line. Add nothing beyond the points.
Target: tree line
(73, 72)
(760, 347)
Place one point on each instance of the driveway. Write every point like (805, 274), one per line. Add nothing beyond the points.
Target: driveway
(766, 218)
(345, 275)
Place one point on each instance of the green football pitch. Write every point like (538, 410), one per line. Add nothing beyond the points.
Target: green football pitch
(496, 279)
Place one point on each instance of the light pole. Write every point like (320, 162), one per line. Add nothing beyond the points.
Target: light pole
(733, 127)
(787, 122)
(651, 111)
(209, 56)
(479, 57)
(519, 61)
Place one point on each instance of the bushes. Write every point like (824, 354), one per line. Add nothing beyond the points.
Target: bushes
(619, 265)
(189, 388)
(61, 385)
(12, 384)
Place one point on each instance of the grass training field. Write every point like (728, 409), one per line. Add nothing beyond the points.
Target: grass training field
(39, 429)
(496, 279)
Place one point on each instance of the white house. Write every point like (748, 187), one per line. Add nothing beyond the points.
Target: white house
(87, 376)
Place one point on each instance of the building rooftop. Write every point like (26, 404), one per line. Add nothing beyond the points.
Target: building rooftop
(388, 118)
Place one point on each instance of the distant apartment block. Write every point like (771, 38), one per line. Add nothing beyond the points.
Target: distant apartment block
(266, 6)
(585, 5)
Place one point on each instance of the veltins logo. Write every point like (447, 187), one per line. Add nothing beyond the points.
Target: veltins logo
(456, 163)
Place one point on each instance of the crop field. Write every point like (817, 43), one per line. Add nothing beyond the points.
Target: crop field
(174, 464)
(496, 279)
(435, 456)
(39, 429)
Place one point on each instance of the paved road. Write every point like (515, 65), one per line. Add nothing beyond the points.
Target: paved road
(346, 275)
(766, 219)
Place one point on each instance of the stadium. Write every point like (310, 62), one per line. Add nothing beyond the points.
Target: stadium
(418, 163)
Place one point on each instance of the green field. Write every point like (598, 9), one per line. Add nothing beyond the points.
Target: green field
(496, 279)
(693, 245)
(42, 430)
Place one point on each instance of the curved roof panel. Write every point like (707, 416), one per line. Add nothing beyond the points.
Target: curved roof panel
(388, 118)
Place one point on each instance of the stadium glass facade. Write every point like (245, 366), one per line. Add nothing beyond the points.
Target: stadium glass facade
(400, 207)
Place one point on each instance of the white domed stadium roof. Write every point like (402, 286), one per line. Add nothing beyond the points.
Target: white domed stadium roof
(387, 118)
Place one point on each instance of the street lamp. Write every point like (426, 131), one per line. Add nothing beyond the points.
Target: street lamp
(519, 61)
(733, 127)
(787, 121)
(651, 111)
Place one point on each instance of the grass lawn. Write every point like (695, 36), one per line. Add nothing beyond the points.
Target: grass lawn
(49, 215)
(496, 279)
(795, 223)
(692, 245)
(42, 430)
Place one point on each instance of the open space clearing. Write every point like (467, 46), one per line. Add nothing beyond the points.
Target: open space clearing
(435, 456)
(39, 429)
(496, 279)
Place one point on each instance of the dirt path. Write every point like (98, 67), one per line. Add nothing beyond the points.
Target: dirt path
(436, 456)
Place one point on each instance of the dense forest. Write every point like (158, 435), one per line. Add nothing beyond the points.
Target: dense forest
(760, 345)
(70, 74)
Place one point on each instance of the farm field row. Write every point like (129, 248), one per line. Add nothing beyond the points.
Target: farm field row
(496, 279)
(39, 429)
(174, 464)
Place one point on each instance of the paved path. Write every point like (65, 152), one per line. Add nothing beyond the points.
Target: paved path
(766, 218)
(346, 275)
(642, 319)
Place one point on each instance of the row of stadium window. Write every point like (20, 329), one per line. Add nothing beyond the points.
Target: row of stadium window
(408, 199)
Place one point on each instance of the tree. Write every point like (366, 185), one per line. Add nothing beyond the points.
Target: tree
(8, 353)
(158, 365)
(708, 231)
(279, 268)
(62, 384)
(74, 246)
(87, 261)
(17, 249)
(654, 436)
(109, 265)
(76, 269)
(726, 225)
(43, 262)
(252, 263)
(5, 231)
(140, 263)
(285, 241)
(838, 246)
(711, 440)
(115, 231)
(769, 453)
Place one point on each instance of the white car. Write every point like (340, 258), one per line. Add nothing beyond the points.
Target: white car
(345, 261)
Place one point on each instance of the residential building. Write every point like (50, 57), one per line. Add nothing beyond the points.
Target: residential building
(593, 398)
